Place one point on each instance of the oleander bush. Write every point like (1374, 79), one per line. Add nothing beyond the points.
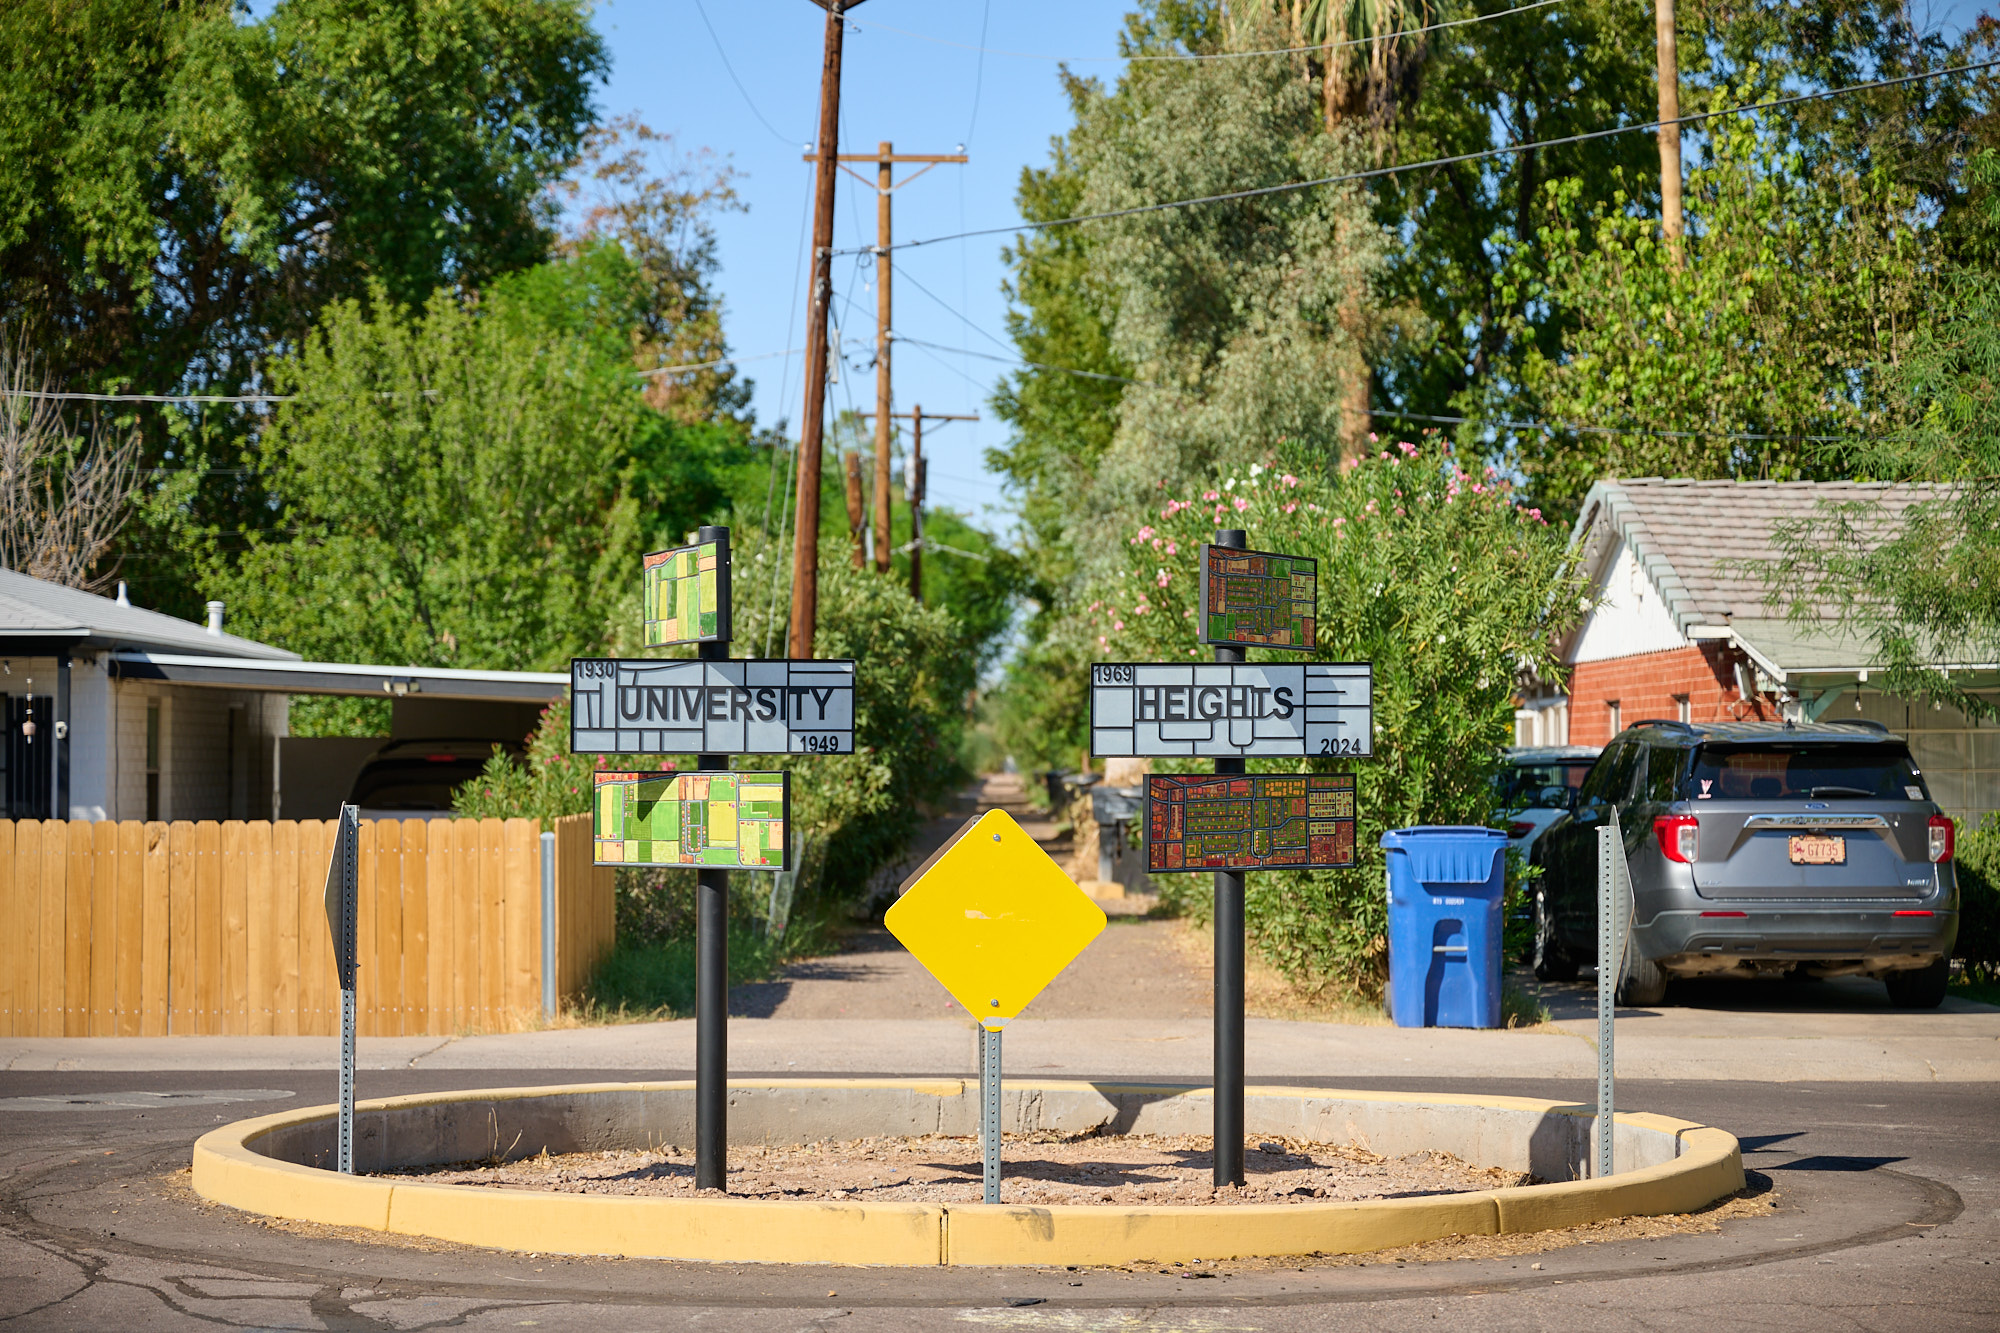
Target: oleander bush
(1437, 575)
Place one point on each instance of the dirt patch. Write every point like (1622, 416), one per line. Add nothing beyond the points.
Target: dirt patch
(1036, 1169)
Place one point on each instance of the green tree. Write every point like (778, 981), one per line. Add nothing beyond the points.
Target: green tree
(186, 191)
(446, 489)
(1794, 288)
(1921, 580)
(1432, 572)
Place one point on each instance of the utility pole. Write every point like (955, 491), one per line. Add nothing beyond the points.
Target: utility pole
(913, 481)
(915, 478)
(885, 157)
(855, 527)
(1670, 134)
(805, 541)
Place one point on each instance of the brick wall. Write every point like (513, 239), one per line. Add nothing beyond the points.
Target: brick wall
(1651, 684)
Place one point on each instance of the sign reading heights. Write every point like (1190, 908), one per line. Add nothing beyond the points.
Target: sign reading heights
(1297, 710)
(648, 706)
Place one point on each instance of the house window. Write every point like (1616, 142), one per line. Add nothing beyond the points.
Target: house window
(152, 759)
(1611, 711)
(1683, 708)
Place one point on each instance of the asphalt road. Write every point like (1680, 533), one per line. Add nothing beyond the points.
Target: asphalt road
(1888, 1218)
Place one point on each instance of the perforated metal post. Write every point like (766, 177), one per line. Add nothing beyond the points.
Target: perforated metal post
(347, 870)
(989, 1109)
(1610, 851)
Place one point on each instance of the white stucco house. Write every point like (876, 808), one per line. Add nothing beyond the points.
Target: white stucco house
(116, 712)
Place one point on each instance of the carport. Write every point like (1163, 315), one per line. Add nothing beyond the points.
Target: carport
(313, 774)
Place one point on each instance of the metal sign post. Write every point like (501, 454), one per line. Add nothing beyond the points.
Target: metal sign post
(989, 1110)
(1230, 712)
(343, 876)
(1611, 883)
(715, 708)
(1228, 1054)
(711, 957)
(994, 920)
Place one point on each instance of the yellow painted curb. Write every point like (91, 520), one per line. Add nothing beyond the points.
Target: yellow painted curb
(229, 1169)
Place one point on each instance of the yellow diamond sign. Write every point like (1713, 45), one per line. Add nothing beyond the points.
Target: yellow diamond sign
(993, 918)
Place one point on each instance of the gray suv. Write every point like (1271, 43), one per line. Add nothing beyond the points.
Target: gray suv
(1757, 848)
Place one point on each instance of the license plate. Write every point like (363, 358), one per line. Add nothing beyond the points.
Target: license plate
(1814, 849)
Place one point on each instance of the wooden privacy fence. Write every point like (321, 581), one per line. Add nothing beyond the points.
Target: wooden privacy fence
(149, 929)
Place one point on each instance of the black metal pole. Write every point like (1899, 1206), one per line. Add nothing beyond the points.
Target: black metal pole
(1228, 1075)
(711, 957)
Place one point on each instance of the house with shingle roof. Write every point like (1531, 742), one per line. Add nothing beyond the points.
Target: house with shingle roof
(1680, 627)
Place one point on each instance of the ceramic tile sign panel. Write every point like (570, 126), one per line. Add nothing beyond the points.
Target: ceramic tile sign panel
(1258, 599)
(1277, 709)
(1249, 821)
(748, 706)
(686, 600)
(730, 821)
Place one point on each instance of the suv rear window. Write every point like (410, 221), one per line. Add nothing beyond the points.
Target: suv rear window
(1766, 771)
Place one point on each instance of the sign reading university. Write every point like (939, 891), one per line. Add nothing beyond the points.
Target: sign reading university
(1305, 709)
(648, 706)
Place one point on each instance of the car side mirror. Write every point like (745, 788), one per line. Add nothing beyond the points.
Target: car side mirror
(1574, 801)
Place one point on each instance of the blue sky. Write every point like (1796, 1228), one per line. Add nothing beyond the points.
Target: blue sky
(924, 96)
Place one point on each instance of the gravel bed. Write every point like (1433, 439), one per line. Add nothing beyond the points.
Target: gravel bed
(1036, 1168)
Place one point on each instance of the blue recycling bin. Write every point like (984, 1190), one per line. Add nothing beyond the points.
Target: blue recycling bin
(1446, 885)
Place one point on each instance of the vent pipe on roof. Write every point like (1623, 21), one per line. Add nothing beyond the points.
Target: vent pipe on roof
(215, 618)
(123, 600)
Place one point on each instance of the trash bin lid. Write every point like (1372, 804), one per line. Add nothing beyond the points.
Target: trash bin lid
(1448, 853)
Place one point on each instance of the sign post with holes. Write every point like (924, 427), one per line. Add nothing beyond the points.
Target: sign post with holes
(1614, 893)
(343, 878)
(995, 921)
(1232, 711)
(715, 708)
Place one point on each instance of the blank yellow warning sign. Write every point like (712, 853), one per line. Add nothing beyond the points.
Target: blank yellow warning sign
(993, 918)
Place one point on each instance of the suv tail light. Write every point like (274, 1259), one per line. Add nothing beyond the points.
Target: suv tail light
(1520, 828)
(1679, 837)
(1943, 835)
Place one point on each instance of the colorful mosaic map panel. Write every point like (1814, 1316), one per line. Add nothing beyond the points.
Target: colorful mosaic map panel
(723, 821)
(683, 595)
(1258, 599)
(1252, 821)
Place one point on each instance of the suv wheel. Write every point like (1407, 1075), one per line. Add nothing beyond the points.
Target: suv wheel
(1552, 961)
(1920, 987)
(1645, 984)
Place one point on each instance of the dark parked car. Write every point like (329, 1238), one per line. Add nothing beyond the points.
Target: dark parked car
(1758, 848)
(414, 779)
(1532, 788)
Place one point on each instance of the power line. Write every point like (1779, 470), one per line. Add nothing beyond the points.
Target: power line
(723, 361)
(979, 69)
(731, 70)
(1213, 55)
(1033, 365)
(1615, 430)
(1482, 155)
(149, 397)
(905, 275)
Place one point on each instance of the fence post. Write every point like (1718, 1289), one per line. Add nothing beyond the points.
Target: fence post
(548, 925)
